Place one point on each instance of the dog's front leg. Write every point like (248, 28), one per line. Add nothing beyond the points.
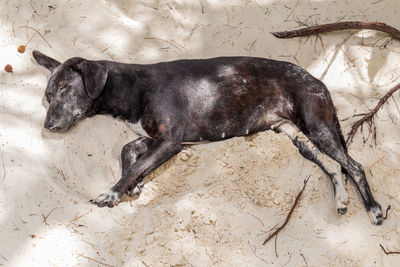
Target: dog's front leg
(131, 152)
(153, 153)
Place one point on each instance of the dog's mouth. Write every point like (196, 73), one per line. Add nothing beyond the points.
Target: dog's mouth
(55, 129)
(56, 126)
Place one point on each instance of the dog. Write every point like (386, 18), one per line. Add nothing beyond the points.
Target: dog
(202, 100)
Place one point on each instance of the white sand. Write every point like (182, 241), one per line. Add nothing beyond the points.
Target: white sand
(212, 204)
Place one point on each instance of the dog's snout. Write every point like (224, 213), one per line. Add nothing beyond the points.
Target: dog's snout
(49, 124)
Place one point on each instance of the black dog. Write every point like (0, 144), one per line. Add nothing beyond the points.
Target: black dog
(171, 103)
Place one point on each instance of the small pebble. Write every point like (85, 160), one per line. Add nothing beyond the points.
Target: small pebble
(185, 155)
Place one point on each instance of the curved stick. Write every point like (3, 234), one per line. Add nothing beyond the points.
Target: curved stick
(296, 201)
(349, 25)
(368, 116)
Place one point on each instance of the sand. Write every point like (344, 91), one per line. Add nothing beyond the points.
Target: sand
(212, 204)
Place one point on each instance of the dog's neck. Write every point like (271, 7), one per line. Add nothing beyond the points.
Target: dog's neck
(123, 93)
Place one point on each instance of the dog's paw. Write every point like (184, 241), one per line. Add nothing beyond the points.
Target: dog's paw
(342, 205)
(109, 199)
(375, 215)
(342, 200)
(342, 210)
(137, 190)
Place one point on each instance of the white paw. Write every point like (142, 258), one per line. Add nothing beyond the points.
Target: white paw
(375, 215)
(137, 190)
(342, 201)
(109, 199)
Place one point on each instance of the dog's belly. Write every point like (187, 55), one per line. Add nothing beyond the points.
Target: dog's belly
(229, 121)
(211, 131)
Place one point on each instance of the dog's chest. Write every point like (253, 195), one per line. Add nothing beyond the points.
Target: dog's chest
(137, 128)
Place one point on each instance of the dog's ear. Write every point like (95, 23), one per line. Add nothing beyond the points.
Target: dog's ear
(45, 61)
(94, 76)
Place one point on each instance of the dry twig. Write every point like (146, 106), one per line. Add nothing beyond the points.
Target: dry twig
(347, 25)
(78, 217)
(253, 248)
(4, 258)
(296, 201)
(258, 219)
(180, 47)
(96, 261)
(33, 29)
(252, 46)
(112, 173)
(63, 175)
(4, 167)
(386, 213)
(47, 216)
(292, 10)
(304, 258)
(369, 116)
(388, 252)
(202, 7)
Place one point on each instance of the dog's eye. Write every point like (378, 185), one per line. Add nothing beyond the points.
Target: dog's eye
(48, 96)
(63, 88)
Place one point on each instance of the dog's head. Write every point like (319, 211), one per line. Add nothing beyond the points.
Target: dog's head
(72, 90)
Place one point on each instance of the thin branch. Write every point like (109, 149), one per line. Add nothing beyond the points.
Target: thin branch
(12, 27)
(202, 7)
(253, 248)
(78, 217)
(4, 257)
(386, 213)
(369, 116)
(33, 29)
(145, 264)
(112, 173)
(47, 216)
(192, 31)
(291, 12)
(258, 219)
(105, 49)
(348, 25)
(388, 252)
(33, 8)
(96, 261)
(63, 175)
(304, 258)
(296, 201)
(4, 167)
(180, 47)
(252, 46)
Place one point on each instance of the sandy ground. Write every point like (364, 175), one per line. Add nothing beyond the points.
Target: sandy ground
(212, 204)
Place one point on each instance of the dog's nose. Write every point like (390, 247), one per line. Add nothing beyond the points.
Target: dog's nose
(49, 124)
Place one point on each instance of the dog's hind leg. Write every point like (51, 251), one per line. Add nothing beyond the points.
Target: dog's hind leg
(308, 150)
(333, 146)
